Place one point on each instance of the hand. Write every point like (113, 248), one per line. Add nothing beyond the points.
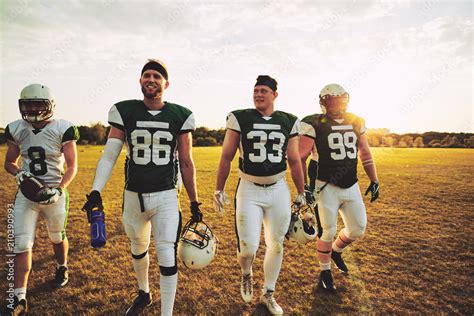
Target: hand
(196, 214)
(51, 195)
(20, 175)
(309, 195)
(300, 200)
(374, 189)
(93, 203)
(220, 199)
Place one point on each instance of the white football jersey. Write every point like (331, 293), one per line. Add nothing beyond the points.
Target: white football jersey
(41, 149)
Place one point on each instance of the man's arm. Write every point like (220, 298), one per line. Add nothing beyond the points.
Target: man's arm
(294, 163)
(305, 147)
(11, 158)
(112, 150)
(70, 155)
(229, 147)
(186, 164)
(366, 158)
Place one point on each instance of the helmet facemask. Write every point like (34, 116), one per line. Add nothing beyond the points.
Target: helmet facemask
(197, 234)
(36, 110)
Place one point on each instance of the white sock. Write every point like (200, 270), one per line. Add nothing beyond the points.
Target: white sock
(141, 272)
(20, 293)
(168, 285)
(61, 265)
(271, 267)
(325, 266)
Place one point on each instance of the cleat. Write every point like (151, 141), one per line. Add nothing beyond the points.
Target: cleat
(268, 300)
(340, 264)
(62, 276)
(19, 307)
(325, 281)
(142, 301)
(246, 287)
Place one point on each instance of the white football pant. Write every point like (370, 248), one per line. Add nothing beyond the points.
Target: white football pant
(349, 201)
(26, 214)
(272, 207)
(160, 214)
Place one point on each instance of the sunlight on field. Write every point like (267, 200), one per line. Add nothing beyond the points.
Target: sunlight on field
(404, 264)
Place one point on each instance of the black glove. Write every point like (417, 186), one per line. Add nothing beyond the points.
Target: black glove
(309, 195)
(374, 189)
(196, 214)
(94, 203)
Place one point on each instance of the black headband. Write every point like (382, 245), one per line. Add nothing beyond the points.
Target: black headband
(155, 65)
(264, 80)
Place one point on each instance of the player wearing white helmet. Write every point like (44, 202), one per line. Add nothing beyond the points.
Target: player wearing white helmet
(339, 137)
(154, 132)
(43, 144)
(266, 139)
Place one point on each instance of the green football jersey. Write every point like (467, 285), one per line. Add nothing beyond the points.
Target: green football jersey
(263, 140)
(337, 146)
(151, 137)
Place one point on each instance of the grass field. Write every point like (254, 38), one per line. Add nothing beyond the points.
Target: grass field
(416, 257)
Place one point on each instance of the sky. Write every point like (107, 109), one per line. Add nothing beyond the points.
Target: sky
(407, 65)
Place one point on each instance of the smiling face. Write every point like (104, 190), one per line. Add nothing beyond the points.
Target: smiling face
(263, 98)
(153, 84)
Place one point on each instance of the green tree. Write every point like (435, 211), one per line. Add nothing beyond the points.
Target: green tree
(418, 142)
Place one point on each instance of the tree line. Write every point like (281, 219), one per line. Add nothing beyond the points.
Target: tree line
(383, 138)
(96, 134)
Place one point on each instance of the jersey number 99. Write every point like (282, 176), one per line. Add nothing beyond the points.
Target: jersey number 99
(343, 144)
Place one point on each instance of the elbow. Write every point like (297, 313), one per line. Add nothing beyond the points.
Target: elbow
(186, 164)
(365, 154)
(294, 160)
(72, 170)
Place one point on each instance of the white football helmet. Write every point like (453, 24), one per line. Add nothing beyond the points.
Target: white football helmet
(36, 103)
(333, 99)
(197, 245)
(303, 227)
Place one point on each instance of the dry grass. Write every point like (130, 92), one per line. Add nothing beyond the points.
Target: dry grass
(417, 256)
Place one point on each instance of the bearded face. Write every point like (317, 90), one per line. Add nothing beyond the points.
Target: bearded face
(152, 84)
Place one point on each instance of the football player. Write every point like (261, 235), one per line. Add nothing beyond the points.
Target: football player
(154, 132)
(44, 144)
(339, 138)
(266, 139)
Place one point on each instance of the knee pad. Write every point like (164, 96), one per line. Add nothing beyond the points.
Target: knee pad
(328, 233)
(354, 232)
(166, 253)
(57, 237)
(23, 244)
(138, 247)
(246, 249)
(275, 246)
(168, 271)
(140, 256)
